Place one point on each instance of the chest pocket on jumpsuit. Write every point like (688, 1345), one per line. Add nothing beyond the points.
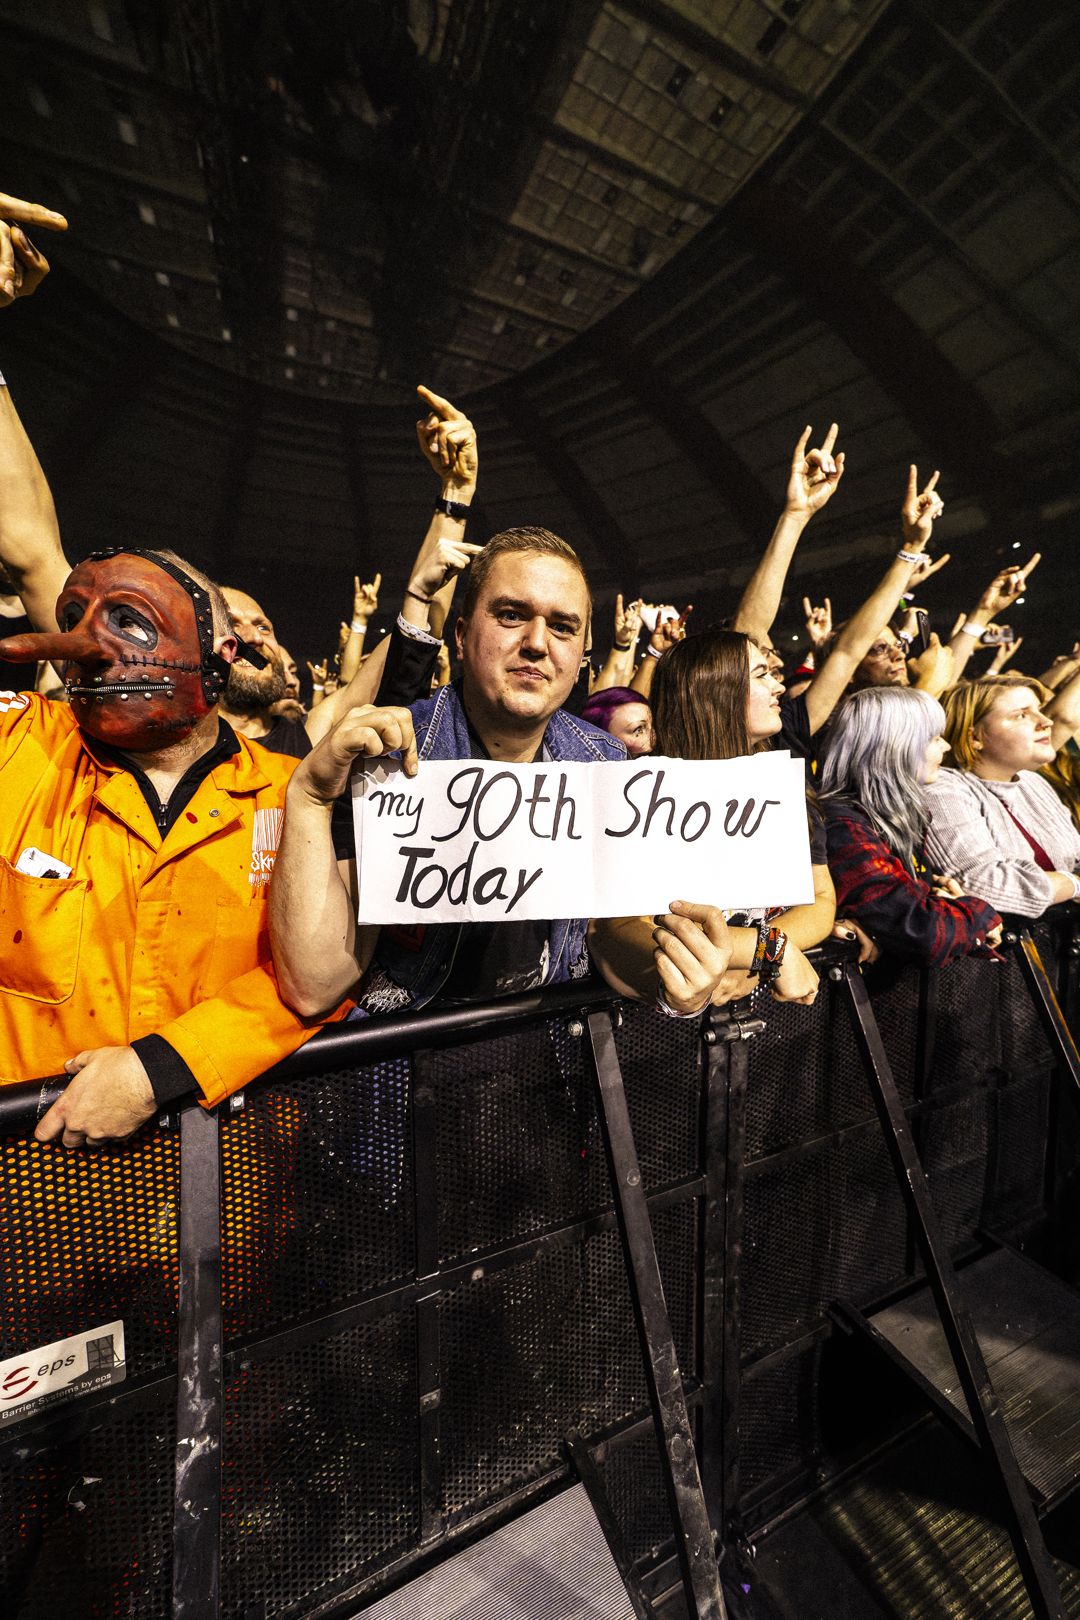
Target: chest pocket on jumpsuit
(41, 922)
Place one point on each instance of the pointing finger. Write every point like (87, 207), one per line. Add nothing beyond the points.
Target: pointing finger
(28, 213)
(1030, 566)
(912, 482)
(441, 407)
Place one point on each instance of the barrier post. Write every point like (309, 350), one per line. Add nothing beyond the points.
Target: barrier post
(678, 1459)
(982, 1402)
(196, 1590)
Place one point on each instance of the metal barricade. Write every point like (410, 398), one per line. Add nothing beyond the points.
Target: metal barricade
(426, 1284)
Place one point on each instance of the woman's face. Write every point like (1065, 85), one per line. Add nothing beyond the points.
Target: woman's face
(763, 702)
(936, 749)
(1014, 736)
(632, 724)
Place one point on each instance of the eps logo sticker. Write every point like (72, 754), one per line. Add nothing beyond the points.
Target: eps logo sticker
(61, 1371)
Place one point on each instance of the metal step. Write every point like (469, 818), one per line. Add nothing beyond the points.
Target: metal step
(1028, 1326)
(552, 1563)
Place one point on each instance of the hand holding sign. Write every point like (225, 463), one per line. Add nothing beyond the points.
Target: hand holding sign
(693, 949)
(476, 841)
(364, 732)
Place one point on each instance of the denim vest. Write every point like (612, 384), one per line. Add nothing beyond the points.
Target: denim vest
(413, 963)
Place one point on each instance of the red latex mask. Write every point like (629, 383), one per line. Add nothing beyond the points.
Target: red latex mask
(135, 650)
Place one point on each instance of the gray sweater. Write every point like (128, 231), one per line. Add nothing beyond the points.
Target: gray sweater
(973, 838)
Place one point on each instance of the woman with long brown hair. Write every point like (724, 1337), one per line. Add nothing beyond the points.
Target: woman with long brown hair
(713, 698)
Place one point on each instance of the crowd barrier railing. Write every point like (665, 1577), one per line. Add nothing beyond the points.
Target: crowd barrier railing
(373, 1305)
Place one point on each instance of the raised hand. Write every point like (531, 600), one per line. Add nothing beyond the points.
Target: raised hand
(447, 440)
(365, 732)
(1007, 650)
(318, 673)
(627, 623)
(668, 632)
(22, 267)
(814, 474)
(1005, 587)
(441, 566)
(818, 621)
(920, 510)
(934, 668)
(924, 568)
(365, 598)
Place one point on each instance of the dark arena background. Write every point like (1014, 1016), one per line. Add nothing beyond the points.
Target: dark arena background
(554, 1308)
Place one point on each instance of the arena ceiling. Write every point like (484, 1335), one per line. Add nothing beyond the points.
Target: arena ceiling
(643, 242)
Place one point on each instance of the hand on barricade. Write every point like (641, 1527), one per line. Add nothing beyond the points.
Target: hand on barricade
(109, 1097)
(847, 928)
(693, 949)
(796, 980)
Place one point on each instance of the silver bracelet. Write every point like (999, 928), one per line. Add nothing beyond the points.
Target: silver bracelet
(669, 1012)
(909, 556)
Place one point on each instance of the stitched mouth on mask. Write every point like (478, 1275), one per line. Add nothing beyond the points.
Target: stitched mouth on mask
(121, 689)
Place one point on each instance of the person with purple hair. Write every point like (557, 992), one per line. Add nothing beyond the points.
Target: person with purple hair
(624, 714)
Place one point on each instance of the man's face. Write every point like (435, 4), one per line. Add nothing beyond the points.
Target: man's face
(133, 663)
(251, 688)
(521, 646)
(884, 663)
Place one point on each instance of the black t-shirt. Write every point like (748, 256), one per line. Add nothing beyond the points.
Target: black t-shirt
(794, 733)
(286, 736)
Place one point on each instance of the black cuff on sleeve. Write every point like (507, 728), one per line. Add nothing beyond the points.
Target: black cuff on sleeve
(166, 1070)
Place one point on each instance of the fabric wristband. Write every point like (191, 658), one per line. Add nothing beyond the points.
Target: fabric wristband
(972, 629)
(909, 556)
(358, 627)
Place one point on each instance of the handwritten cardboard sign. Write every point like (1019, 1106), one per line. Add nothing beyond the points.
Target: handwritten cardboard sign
(476, 841)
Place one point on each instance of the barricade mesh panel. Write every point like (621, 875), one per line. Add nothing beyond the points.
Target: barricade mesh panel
(780, 1420)
(828, 1224)
(635, 1489)
(534, 1351)
(88, 1238)
(87, 1528)
(806, 1079)
(660, 1060)
(320, 1466)
(317, 1203)
(518, 1148)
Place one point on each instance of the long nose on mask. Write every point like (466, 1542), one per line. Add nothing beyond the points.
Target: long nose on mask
(76, 646)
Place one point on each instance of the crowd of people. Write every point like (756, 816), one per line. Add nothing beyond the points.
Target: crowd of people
(176, 849)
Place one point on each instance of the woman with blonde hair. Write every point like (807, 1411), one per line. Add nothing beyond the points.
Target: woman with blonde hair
(995, 823)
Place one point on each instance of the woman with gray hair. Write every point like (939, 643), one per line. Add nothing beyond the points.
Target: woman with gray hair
(885, 746)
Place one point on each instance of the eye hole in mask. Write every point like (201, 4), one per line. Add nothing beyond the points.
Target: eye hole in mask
(132, 626)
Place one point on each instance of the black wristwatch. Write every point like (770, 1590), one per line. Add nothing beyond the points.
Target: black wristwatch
(458, 510)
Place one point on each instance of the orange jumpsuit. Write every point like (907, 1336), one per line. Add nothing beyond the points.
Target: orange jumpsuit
(148, 934)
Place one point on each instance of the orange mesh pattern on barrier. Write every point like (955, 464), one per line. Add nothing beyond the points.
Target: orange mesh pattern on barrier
(90, 1237)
